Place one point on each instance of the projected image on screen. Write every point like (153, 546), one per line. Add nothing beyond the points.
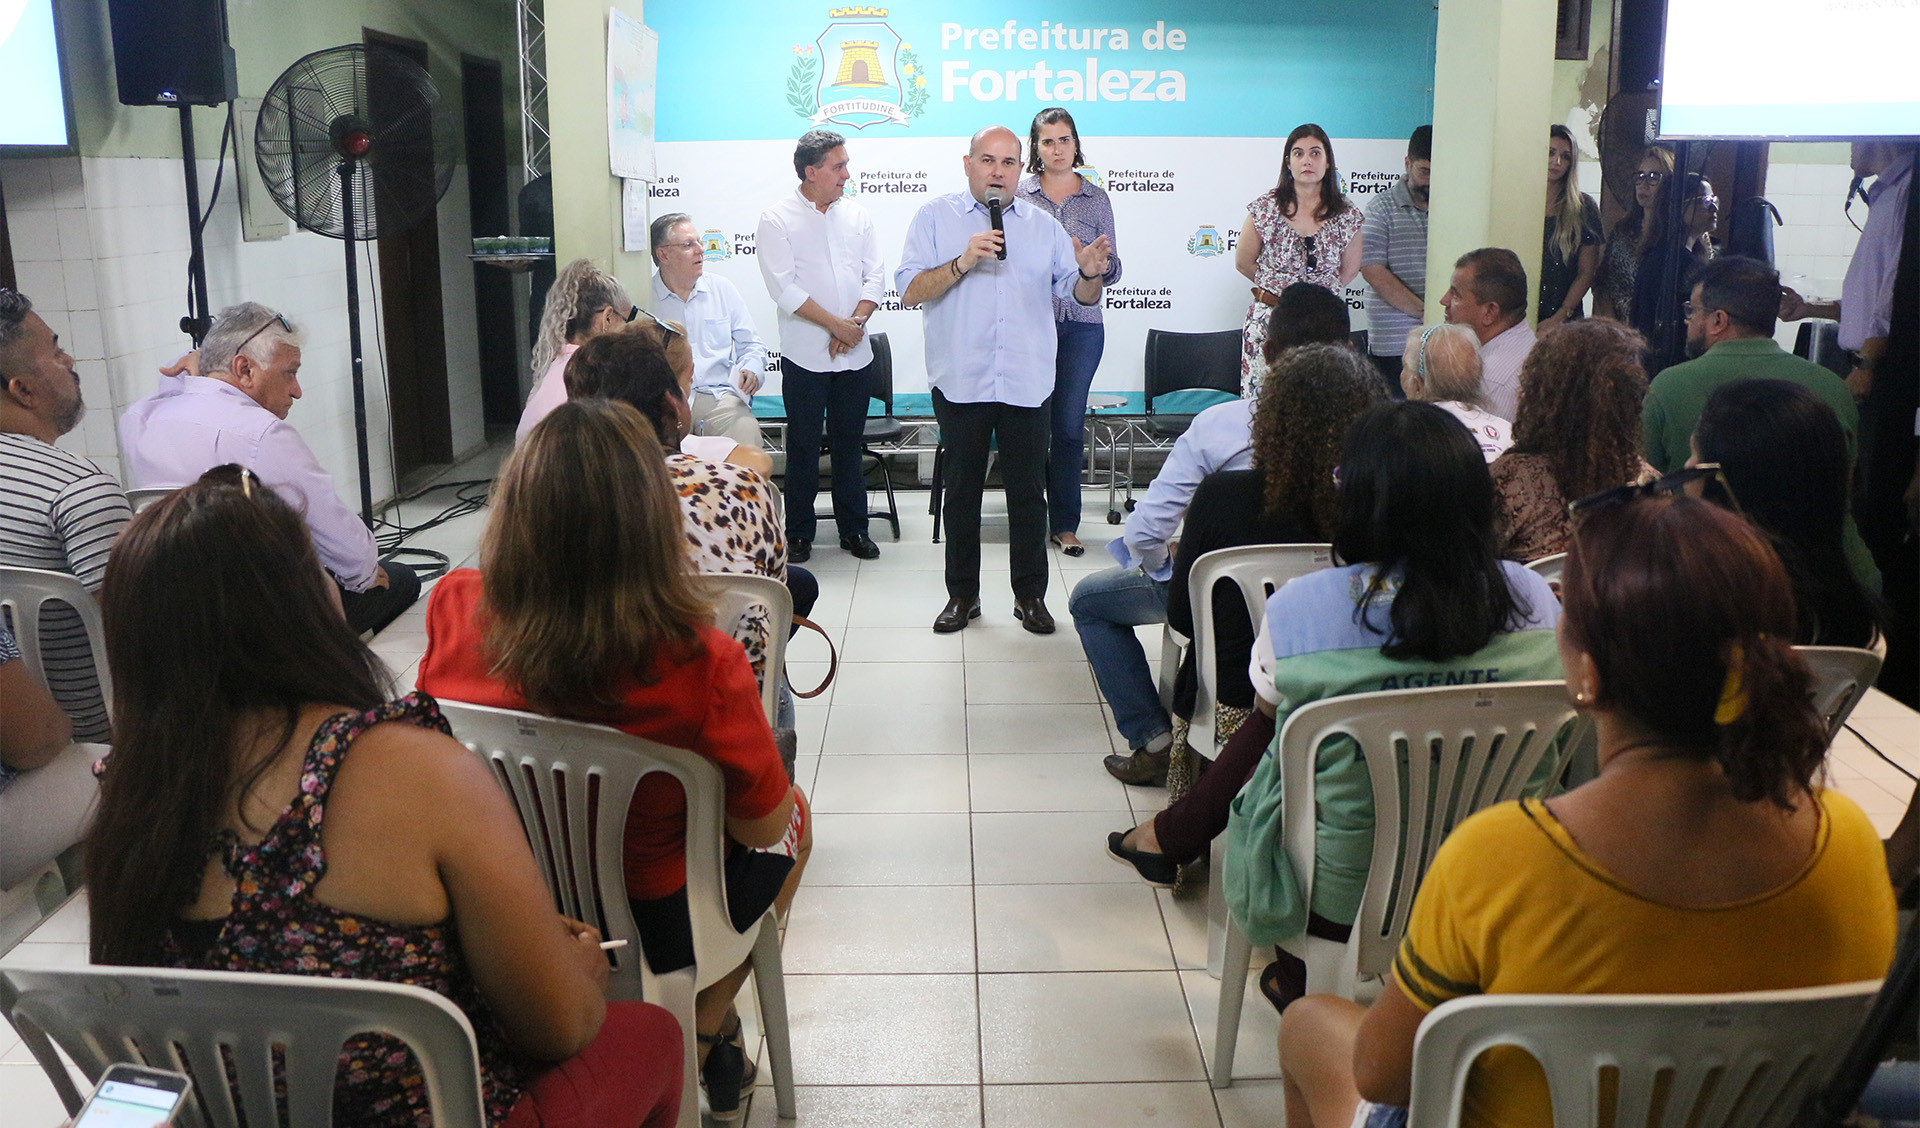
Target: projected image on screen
(35, 111)
(1790, 68)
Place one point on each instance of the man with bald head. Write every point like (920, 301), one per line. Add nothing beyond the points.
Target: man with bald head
(987, 297)
(1443, 367)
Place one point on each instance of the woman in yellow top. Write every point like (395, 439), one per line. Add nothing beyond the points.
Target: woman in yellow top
(1703, 859)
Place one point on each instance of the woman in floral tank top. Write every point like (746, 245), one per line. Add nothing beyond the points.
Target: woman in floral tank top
(265, 811)
(1302, 231)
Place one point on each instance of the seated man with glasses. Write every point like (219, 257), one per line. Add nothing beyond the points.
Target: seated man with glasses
(230, 404)
(729, 360)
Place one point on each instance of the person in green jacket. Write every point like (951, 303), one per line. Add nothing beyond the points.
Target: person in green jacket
(1730, 323)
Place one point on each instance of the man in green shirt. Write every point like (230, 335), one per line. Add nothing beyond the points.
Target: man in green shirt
(1730, 324)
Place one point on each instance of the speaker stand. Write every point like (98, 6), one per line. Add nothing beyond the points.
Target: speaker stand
(198, 319)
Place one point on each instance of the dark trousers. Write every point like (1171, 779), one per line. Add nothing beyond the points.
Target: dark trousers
(1081, 344)
(842, 398)
(1188, 827)
(374, 608)
(1389, 367)
(968, 431)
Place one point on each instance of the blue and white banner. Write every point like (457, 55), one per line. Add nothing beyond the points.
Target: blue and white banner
(1182, 111)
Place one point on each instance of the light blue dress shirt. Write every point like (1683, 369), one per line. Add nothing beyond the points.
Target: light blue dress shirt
(990, 338)
(1220, 438)
(720, 331)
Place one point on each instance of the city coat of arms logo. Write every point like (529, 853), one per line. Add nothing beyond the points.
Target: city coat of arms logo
(714, 245)
(1206, 242)
(857, 73)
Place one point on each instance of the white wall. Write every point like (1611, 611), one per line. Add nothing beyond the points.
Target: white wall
(100, 244)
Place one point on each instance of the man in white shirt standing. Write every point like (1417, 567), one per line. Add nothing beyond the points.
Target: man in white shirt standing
(820, 256)
(728, 357)
(1488, 294)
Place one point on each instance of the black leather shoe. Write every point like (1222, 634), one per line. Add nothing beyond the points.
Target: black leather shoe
(861, 545)
(799, 550)
(1141, 767)
(1033, 615)
(956, 615)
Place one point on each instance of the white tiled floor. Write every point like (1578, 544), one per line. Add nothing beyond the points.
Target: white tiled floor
(963, 953)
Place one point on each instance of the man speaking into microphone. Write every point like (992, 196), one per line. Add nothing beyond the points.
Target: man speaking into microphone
(985, 266)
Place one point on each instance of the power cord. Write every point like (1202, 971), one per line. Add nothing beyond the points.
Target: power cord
(1876, 751)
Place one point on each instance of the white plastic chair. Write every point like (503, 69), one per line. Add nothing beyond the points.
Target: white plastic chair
(1259, 570)
(1841, 677)
(199, 1022)
(1550, 567)
(737, 599)
(1707, 1061)
(1482, 745)
(25, 593)
(141, 498)
(573, 783)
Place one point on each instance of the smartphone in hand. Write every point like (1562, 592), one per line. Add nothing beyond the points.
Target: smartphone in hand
(133, 1096)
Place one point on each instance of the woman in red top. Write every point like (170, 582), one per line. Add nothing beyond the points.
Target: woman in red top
(584, 607)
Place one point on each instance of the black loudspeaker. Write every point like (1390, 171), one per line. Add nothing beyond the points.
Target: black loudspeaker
(1643, 29)
(172, 52)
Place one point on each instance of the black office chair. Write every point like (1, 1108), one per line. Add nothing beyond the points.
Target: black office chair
(1178, 361)
(884, 429)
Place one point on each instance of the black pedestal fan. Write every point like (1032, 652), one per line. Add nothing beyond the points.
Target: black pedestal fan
(354, 143)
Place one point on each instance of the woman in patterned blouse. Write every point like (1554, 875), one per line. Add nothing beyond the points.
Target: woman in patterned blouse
(1302, 231)
(266, 809)
(1081, 206)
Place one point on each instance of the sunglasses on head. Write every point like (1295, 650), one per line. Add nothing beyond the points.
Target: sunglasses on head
(1671, 484)
(668, 331)
(281, 318)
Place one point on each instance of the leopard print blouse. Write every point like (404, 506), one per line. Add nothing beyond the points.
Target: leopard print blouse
(733, 525)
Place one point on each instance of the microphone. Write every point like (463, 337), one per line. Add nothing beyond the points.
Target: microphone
(993, 214)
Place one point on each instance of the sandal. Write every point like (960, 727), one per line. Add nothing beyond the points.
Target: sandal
(727, 1073)
(1284, 980)
(1074, 549)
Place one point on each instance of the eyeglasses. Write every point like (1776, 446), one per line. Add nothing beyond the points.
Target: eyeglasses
(668, 330)
(1707, 201)
(1671, 484)
(632, 312)
(684, 245)
(1649, 177)
(263, 328)
(1306, 241)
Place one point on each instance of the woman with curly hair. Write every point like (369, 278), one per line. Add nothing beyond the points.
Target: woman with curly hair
(1577, 432)
(1287, 498)
(1303, 230)
(583, 302)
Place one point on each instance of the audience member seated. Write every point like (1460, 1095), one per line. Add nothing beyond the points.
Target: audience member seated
(229, 405)
(732, 524)
(1692, 245)
(1107, 605)
(1577, 432)
(1287, 498)
(583, 302)
(584, 607)
(729, 361)
(1442, 367)
(1421, 594)
(58, 511)
(1704, 858)
(1730, 325)
(1781, 451)
(46, 782)
(1488, 294)
(266, 809)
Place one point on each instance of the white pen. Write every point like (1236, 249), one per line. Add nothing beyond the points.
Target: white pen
(610, 945)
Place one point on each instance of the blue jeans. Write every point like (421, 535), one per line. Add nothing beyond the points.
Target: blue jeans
(1080, 345)
(1106, 606)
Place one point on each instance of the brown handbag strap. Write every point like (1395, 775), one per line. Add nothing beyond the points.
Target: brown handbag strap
(833, 659)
